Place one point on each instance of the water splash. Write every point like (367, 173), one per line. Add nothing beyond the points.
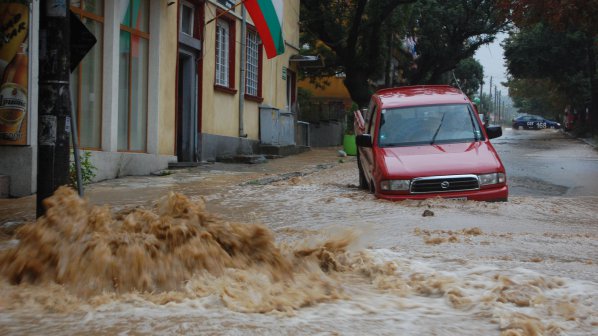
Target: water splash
(176, 246)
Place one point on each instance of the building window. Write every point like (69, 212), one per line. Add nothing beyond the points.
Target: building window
(133, 75)
(225, 55)
(187, 18)
(222, 53)
(86, 80)
(254, 65)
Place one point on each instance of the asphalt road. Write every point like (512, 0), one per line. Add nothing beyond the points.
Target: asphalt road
(547, 163)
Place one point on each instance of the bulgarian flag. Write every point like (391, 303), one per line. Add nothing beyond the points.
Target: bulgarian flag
(267, 17)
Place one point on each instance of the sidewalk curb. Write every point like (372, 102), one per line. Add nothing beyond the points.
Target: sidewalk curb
(588, 141)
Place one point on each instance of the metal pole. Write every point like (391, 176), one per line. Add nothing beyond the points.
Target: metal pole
(75, 136)
(54, 99)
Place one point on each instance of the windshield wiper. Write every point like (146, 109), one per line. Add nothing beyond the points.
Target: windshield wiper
(438, 129)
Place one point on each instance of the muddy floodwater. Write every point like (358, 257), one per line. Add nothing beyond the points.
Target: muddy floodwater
(293, 247)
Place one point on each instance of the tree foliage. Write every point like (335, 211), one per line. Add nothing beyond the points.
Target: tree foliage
(350, 34)
(538, 96)
(540, 52)
(558, 40)
(470, 74)
(451, 31)
(559, 14)
(357, 37)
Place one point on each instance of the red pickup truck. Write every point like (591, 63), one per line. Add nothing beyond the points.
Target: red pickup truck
(418, 142)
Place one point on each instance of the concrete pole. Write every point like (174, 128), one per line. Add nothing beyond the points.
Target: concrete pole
(496, 112)
(54, 99)
(490, 107)
(480, 108)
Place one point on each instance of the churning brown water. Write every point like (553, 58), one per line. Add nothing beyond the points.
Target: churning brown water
(184, 268)
(175, 247)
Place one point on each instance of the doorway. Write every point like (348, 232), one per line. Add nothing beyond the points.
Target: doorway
(186, 134)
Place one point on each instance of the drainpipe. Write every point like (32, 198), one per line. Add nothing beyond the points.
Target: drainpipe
(242, 133)
(196, 150)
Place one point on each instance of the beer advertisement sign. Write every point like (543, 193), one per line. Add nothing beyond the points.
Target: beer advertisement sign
(14, 72)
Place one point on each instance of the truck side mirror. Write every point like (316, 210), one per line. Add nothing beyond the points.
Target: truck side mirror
(493, 131)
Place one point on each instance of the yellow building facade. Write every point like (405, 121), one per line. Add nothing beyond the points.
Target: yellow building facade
(162, 86)
(123, 92)
(228, 127)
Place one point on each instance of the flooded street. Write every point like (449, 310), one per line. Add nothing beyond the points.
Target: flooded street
(293, 247)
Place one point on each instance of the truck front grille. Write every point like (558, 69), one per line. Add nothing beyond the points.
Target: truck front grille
(435, 184)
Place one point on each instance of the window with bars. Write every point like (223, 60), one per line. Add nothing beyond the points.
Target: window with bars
(223, 53)
(253, 64)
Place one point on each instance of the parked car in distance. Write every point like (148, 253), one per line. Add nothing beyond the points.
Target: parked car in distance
(534, 122)
(418, 142)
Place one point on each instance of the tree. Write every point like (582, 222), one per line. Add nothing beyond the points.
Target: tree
(554, 61)
(470, 74)
(538, 96)
(350, 33)
(449, 32)
(358, 36)
(566, 16)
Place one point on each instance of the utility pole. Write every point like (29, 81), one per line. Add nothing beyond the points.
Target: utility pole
(490, 106)
(500, 116)
(496, 103)
(481, 94)
(54, 99)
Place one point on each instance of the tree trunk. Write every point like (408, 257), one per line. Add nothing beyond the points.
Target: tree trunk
(356, 83)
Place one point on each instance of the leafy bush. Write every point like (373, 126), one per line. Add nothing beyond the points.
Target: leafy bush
(87, 170)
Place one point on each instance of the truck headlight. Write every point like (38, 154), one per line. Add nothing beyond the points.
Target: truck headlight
(494, 178)
(389, 185)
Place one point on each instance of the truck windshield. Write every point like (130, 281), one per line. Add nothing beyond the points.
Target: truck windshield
(431, 124)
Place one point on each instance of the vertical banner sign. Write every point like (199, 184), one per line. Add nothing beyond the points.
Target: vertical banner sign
(14, 72)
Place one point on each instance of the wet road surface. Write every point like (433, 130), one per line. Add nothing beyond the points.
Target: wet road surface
(548, 163)
(524, 267)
